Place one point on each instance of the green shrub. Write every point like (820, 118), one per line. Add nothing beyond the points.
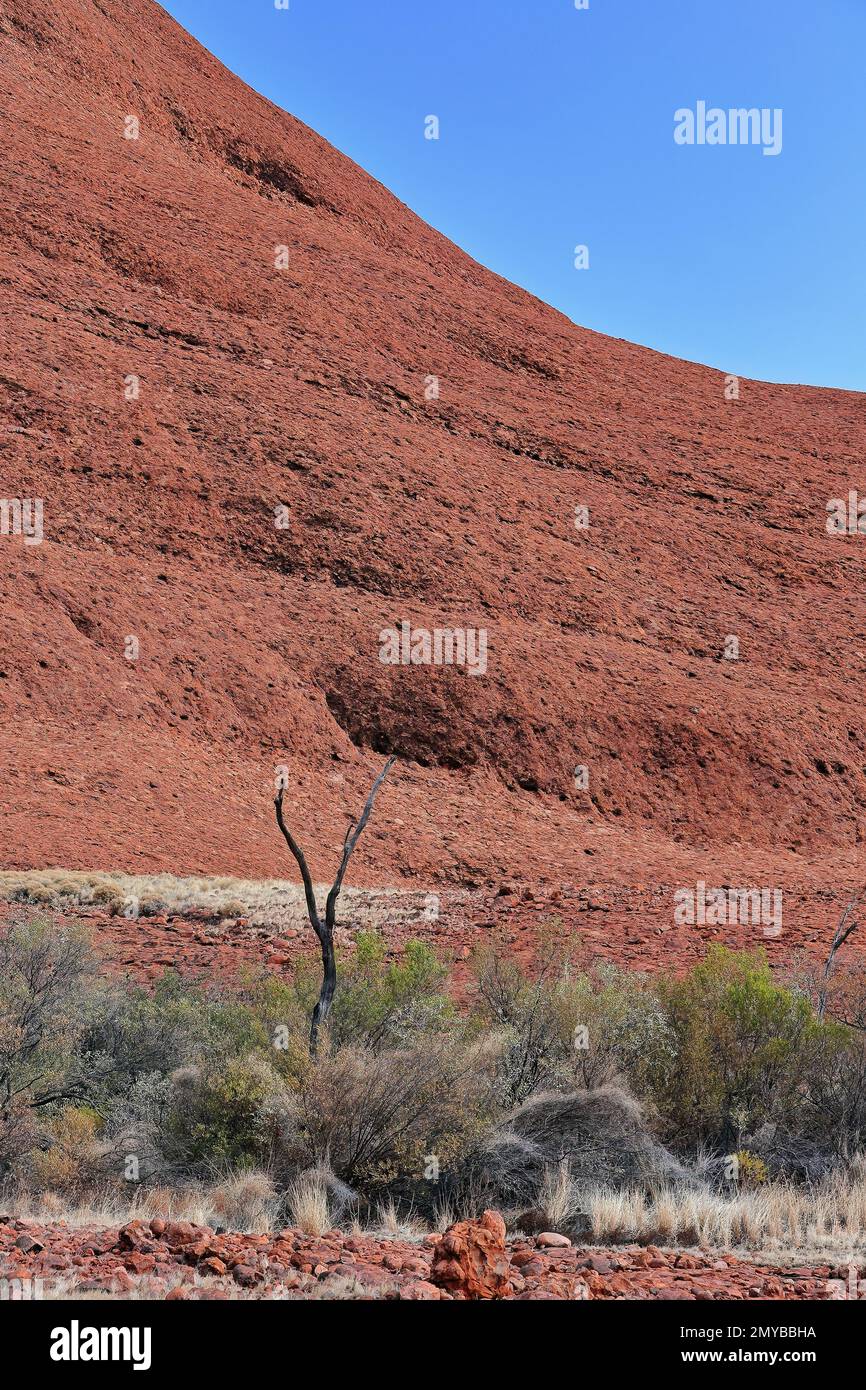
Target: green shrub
(221, 1116)
(380, 1003)
(176, 1023)
(613, 1025)
(568, 1027)
(47, 990)
(742, 1049)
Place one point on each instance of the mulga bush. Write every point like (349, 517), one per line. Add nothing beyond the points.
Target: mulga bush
(745, 1052)
(49, 995)
(568, 1028)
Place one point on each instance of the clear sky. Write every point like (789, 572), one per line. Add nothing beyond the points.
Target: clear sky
(557, 130)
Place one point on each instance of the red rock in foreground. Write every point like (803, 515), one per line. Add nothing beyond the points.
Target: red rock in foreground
(471, 1260)
(179, 1260)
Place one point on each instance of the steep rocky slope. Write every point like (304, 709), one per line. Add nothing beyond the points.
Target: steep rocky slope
(165, 388)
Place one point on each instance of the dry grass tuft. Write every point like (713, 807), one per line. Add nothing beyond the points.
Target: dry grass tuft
(113, 1207)
(307, 1202)
(391, 1225)
(246, 1201)
(557, 1198)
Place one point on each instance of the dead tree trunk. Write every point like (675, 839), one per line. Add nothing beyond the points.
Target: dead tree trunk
(841, 935)
(325, 930)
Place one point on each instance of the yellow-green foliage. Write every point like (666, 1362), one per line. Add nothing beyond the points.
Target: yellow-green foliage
(66, 1166)
(751, 1170)
(380, 1001)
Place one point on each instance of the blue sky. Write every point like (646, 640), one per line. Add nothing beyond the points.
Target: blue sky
(557, 130)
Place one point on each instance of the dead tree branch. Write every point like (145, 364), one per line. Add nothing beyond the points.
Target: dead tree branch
(325, 930)
(840, 936)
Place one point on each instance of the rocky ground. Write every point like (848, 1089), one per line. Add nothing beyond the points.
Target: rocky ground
(178, 1260)
(632, 927)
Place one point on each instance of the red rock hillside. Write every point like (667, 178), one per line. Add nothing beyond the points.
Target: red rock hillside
(170, 379)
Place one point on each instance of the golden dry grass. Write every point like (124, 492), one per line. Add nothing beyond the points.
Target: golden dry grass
(274, 903)
(307, 1201)
(391, 1224)
(245, 1201)
(776, 1218)
(557, 1198)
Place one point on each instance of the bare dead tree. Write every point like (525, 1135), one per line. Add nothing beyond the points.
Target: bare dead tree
(845, 929)
(325, 930)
